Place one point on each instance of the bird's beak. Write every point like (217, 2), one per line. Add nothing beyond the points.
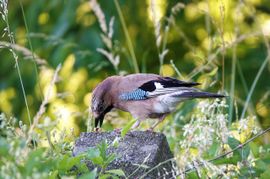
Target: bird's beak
(97, 117)
(99, 120)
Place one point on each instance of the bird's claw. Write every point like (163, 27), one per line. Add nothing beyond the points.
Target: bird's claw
(151, 129)
(96, 129)
(118, 130)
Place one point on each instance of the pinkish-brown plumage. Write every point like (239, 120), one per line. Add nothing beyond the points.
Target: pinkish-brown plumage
(143, 95)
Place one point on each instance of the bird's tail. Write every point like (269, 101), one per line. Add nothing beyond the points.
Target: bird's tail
(198, 94)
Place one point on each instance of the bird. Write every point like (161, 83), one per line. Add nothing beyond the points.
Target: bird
(144, 96)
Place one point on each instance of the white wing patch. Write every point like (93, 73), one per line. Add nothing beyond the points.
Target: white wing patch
(164, 91)
(158, 85)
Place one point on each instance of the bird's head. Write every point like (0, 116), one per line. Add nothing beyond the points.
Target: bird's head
(101, 101)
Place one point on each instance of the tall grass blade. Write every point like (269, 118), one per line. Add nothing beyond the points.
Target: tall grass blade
(232, 85)
(31, 48)
(254, 85)
(15, 56)
(129, 43)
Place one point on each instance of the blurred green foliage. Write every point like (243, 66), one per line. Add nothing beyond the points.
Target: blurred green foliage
(204, 39)
(67, 32)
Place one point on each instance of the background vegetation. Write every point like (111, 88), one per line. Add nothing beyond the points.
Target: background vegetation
(53, 53)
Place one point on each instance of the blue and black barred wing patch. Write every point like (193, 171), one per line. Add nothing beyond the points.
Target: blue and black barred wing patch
(137, 94)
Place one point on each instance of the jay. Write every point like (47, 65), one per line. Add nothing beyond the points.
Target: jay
(143, 95)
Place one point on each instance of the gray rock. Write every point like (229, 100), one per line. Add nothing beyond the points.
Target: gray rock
(136, 148)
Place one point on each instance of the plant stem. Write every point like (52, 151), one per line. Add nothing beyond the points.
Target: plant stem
(240, 146)
(176, 70)
(31, 48)
(232, 85)
(229, 152)
(222, 16)
(236, 29)
(254, 85)
(242, 78)
(89, 120)
(157, 166)
(161, 56)
(11, 38)
(48, 135)
(129, 43)
(42, 107)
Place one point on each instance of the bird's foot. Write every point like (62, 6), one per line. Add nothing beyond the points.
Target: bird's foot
(151, 129)
(118, 130)
(97, 129)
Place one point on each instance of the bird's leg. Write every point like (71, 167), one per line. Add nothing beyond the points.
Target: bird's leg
(151, 129)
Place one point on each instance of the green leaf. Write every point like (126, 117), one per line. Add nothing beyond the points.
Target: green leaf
(243, 151)
(34, 160)
(92, 152)
(266, 158)
(213, 149)
(82, 167)
(233, 143)
(260, 165)
(265, 175)
(97, 160)
(90, 175)
(127, 128)
(102, 147)
(53, 174)
(4, 147)
(254, 149)
(213, 72)
(106, 176)
(110, 158)
(67, 162)
(98, 155)
(118, 172)
(62, 163)
(115, 142)
(246, 172)
(192, 175)
(232, 160)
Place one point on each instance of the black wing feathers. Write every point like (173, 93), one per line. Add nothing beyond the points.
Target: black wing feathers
(166, 82)
(148, 86)
(199, 94)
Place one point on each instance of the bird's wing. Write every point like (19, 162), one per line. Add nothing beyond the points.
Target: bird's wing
(157, 87)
